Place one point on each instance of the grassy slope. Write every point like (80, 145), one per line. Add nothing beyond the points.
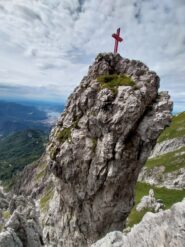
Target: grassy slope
(20, 149)
(174, 160)
(171, 161)
(176, 129)
(112, 82)
(168, 196)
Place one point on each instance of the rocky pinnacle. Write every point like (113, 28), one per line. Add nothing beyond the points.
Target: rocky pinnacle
(98, 147)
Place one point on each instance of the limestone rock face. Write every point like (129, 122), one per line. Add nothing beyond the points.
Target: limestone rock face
(168, 146)
(22, 229)
(157, 176)
(98, 148)
(165, 228)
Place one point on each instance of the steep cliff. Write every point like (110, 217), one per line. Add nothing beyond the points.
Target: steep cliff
(98, 147)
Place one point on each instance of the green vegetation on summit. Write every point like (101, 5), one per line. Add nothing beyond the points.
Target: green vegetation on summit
(19, 150)
(112, 82)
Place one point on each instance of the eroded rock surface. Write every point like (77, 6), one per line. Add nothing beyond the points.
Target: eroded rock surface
(98, 148)
(168, 146)
(150, 203)
(166, 228)
(157, 176)
(22, 229)
(3, 201)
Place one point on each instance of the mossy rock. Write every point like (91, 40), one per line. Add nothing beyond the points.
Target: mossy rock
(64, 135)
(1, 227)
(94, 141)
(112, 82)
(6, 214)
(53, 153)
(44, 201)
(39, 176)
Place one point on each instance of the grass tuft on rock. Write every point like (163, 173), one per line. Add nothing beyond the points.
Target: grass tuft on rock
(6, 214)
(112, 82)
(94, 141)
(40, 175)
(44, 201)
(64, 135)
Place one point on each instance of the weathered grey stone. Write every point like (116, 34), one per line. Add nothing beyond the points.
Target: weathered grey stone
(100, 143)
(10, 239)
(26, 229)
(168, 146)
(150, 203)
(3, 203)
(22, 229)
(166, 228)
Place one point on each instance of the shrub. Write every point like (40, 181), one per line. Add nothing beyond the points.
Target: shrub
(64, 135)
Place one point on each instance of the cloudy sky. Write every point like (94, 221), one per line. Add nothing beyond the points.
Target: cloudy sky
(46, 46)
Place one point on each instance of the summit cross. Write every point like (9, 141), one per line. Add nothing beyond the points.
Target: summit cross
(118, 39)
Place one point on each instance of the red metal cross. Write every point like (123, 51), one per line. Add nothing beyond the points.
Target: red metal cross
(118, 39)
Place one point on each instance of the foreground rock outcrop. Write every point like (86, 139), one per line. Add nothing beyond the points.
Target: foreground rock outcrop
(165, 228)
(22, 229)
(98, 148)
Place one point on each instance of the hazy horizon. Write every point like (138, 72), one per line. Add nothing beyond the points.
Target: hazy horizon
(47, 46)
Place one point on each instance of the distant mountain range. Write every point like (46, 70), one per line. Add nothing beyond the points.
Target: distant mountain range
(16, 116)
(24, 129)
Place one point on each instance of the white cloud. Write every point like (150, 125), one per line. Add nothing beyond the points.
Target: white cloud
(52, 42)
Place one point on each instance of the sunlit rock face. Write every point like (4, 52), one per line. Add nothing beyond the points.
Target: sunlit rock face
(98, 147)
